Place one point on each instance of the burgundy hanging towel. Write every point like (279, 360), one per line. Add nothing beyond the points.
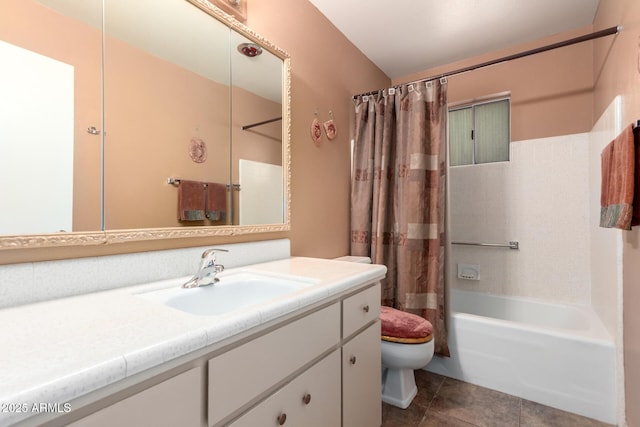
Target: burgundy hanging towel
(618, 160)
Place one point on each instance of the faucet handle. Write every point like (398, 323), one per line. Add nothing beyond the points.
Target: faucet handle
(206, 274)
(213, 251)
(209, 257)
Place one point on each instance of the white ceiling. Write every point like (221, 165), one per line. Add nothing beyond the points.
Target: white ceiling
(403, 37)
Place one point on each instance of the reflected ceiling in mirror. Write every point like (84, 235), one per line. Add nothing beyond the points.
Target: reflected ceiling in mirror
(150, 122)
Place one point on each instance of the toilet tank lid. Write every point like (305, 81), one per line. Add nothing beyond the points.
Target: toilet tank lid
(350, 258)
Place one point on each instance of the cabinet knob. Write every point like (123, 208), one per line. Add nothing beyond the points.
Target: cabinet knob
(366, 308)
(282, 418)
(352, 360)
(306, 398)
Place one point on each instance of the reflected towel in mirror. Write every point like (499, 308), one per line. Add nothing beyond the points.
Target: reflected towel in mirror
(191, 201)
(216, 201)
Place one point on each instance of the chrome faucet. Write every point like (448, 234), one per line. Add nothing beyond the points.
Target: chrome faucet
(207, 271)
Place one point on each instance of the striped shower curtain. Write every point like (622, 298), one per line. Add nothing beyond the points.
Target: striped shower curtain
(398, 196)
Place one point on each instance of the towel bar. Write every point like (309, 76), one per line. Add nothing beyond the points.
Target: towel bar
(176, 181)
(512, 244)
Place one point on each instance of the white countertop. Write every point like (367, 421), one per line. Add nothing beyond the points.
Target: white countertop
(55, 351)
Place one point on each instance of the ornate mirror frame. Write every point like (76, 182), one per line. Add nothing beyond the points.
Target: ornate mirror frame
(67, 239)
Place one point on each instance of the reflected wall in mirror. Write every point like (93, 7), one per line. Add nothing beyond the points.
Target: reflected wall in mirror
(166, 87)
(256, 121)
(50, 82)
(171, 75)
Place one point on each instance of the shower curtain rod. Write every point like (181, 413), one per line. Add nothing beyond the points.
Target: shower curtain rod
(580, 39)
(252, 125)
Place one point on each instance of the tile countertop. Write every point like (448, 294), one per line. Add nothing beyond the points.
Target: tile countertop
(58, 350)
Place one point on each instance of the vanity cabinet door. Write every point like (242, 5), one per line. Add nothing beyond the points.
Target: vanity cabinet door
(241, 375)
(310, 400)
(178, 401)
(361, 379)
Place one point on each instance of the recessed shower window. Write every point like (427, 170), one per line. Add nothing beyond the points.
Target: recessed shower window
(479, 133)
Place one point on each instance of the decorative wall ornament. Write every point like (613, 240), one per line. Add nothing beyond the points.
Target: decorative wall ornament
(198, 150)
(316, 130)
(330, 127)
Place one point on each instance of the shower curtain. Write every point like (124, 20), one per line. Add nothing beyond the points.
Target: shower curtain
(398, 196)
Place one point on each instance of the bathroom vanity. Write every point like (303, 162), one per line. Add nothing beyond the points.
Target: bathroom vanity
(310, 357)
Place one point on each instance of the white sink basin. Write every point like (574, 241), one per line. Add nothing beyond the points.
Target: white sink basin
(233, 292)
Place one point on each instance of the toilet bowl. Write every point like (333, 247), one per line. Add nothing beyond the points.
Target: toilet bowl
(400, 357)
(399, 360)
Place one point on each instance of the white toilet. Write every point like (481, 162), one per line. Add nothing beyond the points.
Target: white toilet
(400, 357)
(399, 360)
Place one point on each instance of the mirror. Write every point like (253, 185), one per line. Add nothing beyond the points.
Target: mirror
(256, 123)
(166, 84)
(51, 74)
(176, 99)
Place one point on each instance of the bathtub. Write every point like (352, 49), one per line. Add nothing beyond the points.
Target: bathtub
(554, 354)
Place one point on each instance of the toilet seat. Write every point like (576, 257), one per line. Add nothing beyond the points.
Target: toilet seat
(420, 340)
(402, 327)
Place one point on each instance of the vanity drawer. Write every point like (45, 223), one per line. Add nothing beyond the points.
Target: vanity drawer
(310, 400)
(178, 401)
(360, 309)
(240, 375)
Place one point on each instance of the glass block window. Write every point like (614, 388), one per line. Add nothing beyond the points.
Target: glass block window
(479, 133)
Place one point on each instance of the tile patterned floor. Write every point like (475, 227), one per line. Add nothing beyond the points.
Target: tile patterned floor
(445, 402)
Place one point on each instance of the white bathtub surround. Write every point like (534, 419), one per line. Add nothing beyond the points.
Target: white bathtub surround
(558, 355)
(59, 350)
(606, 252)
(606, 245)
(539, 198)
(547, 198)
(42, 281)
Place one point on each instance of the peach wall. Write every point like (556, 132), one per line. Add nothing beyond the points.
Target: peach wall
(326, 71)
(551, 93)
(261, 143)
(617, 68)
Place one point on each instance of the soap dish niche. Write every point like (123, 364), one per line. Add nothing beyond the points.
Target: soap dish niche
(468, 271)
